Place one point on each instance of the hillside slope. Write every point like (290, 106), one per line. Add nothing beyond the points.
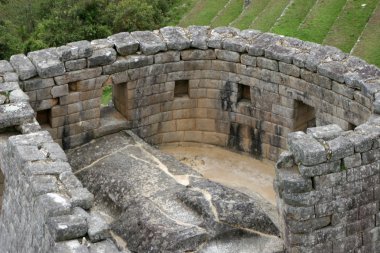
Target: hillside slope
(351, 25)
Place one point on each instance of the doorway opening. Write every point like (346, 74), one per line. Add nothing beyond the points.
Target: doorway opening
(304, 116)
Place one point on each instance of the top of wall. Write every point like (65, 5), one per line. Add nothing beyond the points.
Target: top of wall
(130, 50)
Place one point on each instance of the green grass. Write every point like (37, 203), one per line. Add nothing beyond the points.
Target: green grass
(295, 14)
(333, 22)
(369, 45)
(320, 20)
(203, 12)
(245, 19)
(267, 18)
(107, 95)
(350, 24)
(179, 10)
(229, 14)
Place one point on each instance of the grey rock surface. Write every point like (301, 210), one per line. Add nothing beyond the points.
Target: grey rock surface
(150, 43)
(161, 205)
(23, 66)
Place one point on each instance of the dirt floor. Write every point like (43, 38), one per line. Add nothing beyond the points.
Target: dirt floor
(238, 171)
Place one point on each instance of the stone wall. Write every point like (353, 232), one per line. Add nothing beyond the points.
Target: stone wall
(244, 90)
(328, 189)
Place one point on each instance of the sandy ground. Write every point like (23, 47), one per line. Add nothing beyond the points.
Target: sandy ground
(238, 171)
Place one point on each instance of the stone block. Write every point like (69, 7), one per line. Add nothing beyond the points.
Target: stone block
(15, 114)
(150, 43)
(81, 197)
(69, 180)
(329, 180)
(175, 38)
(217, 35)
(361, 172)
(248, 60)
(67, 227)
(70, 247)
(54, 152)
(5, 67)
(47, 63)
(236, 44)
(78, 75)
(125, 44)
(72, 97)
(37, 84)
(289, 69)
(371, 156)
(98, 228)
(17, 96)
(352, 161)
(307, 198)
(73, 65)
(339, 148)
(195, 54)
(23, 66)
(267, 64)
(343, 89)
(59, 90)
(169, 56)
(198, 36)
(301, 227)
(332, 70)
(102, 57)
(43, 184)
(291, 181)
(53, 204)
(306, 149)
(227, 55)
(75, 50)
(327, 132)
(47, 168)
(10, 77)
(104, 246)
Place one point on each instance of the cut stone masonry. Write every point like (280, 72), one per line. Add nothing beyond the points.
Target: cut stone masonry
(327, 183)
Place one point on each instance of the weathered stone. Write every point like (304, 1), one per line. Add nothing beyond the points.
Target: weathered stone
(67, 227)
(235, 44)
(125, 44)
(103, 247)
(339, 148)
(98, 228)
(326, 133)
(102, 43)
(70, 247)
(290, 180)
(5, 67)
(69, 180)
(76, 64)
(150, 43)
(47, 168)
(47, 62)
(170, 56)
(175, 38)
(102, 57)
(37, 83)
(227, 55)
(75, 50)
(81, 197)
(23, 66)
(60, 90)
(217, 35)
(15, 114)
(78, 75)
(10, 77)
(187, 55)
(198, 36)
(306, 149)
(44, 184)
(18, 95)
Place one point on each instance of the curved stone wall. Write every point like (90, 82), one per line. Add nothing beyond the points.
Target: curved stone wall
(244, 90)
